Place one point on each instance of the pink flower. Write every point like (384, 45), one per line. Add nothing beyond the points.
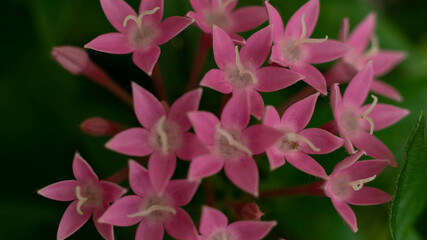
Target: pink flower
(231, 144)
(163, 136)
(154, 211)
(220, 13)
(240, 71)
(294, 48)
(346, 185)
(298, 142)
(214, 225)
(89, 195)
(138, 33)
(354, 120)
(354, 60)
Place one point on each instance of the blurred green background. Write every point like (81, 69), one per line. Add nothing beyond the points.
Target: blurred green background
(42, 106)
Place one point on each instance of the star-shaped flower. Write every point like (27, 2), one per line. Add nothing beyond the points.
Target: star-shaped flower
(294, 48)
(90, 196)
(354, 60)
(231, 144)
(214, 226)
(163, 136)
(298, 142)
(138, 33)
(354, 120)
(209, 13)
(153, 210)
(242, 71)
(346, 185)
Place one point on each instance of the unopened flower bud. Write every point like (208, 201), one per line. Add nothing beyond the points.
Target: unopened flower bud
(74, 59)
(249, 211)
(98, 127)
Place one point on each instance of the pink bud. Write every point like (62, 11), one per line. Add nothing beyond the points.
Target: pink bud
(98, 127)
(249, 211)
(74, 59)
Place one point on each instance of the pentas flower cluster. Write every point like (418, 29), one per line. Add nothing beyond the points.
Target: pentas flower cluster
(229, 141)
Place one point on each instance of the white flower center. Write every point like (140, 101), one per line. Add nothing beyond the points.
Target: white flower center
(90, 195)
(291, 142)
(229, 144)
(145, 34)
(165, 137)
(155, 208)
(241, 77)
(357, 185)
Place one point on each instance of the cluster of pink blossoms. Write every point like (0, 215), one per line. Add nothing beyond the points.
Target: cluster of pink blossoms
(228, 142)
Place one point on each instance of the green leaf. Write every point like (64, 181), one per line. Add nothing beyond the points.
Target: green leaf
(411, 194)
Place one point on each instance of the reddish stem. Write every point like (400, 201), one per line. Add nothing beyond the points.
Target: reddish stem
(158, 83)
(205, 45)
(209, 188)
(313, 189)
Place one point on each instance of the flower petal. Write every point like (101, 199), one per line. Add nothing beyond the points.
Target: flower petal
(310, 10)
(71, 221)
(348, 161)
(374, 147)
(368, 196)
(359, 86)
(344, 29)
(116, 12)
(271, 117)
(60, 191)
(191, 147)
(152, 231)
(146, 59)
(223, 48)
(204, 124)
(180, 108)
(297, 116)
(181, 191)
(112, 191)
(200, 5)
(199, 21)
(181, 226)
(364, 169)
(160, 170)
(256, 104)
(272, 78)
(116, 43)
(204, 166)
(133, 142)
(384, 115)
(211, 220)
(306, 164)
(361, 35)
(346, 213)
(251, 230)
(171, 27)
(257, 47)
(384, 61)
(148, 109)
(247, 18)
(215, 79)
(325, 51)
(326, 141)
(236, 111)
(83, 172)
(138, 179)
(261, 137)
(275, 158)
(386, 90)
(148, 5)
(118, 213)
(336, 101)
(243, 172)
(105, 230)
(312, 76)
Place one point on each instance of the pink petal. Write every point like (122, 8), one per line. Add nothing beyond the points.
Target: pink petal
(251, 230)
(180, 108)
(369, 196)
(192, 147)
(112, 191)
(374, 147)
(310, 10)
(211, 220)
(223, 48)
(346, 213)
(348, 161)
(247, 18)
(344, 29)
(160, 170)
(386, 60)
(261, 137)
(384, 115)
(256, 104)
(271, 117)
(336, 101)
(243, 172)
(133, 142)
(204, 166)
(148, 109)
(180, 226)
(83, 172)
(171, 27)
(312, 76)
(358, 89)
(361, 35)
(275, 158)
(276, 21)
(71, 221)
(148, 5)
(364, 169)
(116, 12)
(199, 22)
(327, 142)
(138, 179)
(147, 230)
(297, 116)
(272, 78)
(146, 59)
(325, 51)
(181, 191)
(306, 164)
(257, 47)
(116, 43)
(215, 79)
(236, 111)
(60, 191)
(204, 124)
(200, 5)
(118, 213)
(106, 230)
(386, 90)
